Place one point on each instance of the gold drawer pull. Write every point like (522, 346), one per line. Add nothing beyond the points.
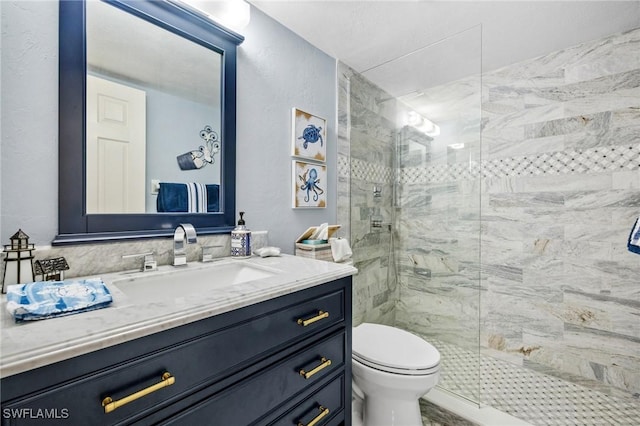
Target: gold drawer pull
(321, 315)
(325, 364)
(110, 405)
(324, 412)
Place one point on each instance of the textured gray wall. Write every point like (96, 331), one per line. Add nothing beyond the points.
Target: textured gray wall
(277, 70)
(1, 134)
(30, 120)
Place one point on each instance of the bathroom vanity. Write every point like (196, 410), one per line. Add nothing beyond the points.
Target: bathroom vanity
(271, 350)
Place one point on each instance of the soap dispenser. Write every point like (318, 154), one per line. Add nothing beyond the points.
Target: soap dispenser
(241, 240)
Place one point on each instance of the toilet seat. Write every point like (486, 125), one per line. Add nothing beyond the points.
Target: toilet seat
(394, 370)
(393, 350)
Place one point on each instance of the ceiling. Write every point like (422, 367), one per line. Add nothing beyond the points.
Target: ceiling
(440, 41)
(130, 49)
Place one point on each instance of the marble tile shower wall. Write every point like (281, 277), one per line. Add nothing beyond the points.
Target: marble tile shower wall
(438, 225)
(559, 180)
(365, 152)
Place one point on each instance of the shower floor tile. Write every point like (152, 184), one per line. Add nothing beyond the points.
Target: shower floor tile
(529, 395)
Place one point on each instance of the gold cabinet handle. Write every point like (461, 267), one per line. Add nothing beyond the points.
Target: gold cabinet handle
(110, 405)
(321, 315)
(325, 363)
(324, 412)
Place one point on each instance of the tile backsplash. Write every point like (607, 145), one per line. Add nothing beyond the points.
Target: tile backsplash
(93, 259)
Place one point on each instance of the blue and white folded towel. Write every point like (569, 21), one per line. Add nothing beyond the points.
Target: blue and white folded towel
(48, 299)
(189, 197)
(634, 238)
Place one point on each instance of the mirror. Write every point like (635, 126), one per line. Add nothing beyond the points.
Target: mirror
(152, 120)
(147, 120)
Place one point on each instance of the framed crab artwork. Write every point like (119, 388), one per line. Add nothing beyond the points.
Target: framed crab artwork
(309, 136)
(309, 184)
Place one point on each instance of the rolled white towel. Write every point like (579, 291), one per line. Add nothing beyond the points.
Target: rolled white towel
(340, 249)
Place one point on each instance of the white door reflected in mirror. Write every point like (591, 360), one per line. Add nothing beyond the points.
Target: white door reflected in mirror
(116, 147)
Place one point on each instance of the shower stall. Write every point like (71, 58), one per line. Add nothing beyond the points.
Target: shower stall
(499, 234)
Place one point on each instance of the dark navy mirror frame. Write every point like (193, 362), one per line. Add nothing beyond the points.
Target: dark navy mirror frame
(75, 225)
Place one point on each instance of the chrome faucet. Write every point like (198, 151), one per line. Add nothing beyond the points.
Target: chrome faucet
(179, 245)
(149, 263)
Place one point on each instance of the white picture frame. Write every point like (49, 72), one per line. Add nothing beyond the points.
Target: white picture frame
(308, 136)
(309, 185)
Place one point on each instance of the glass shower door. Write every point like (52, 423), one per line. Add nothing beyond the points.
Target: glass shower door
(436, 202)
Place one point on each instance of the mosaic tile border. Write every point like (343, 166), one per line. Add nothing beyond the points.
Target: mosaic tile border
(593, 160)
(365, 170)
(344, 169)
(440, 173)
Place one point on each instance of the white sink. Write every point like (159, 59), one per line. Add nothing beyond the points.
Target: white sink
(197, 278)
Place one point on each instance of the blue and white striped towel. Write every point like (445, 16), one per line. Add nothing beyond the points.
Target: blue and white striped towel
(191, 197)
(197, 197)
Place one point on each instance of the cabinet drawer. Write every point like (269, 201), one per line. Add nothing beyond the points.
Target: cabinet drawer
(247, 402)
(281, 327)
(325, 406)
(81, 400)
(194, 364)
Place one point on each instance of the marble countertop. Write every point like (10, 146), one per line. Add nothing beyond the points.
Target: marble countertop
(34, 344)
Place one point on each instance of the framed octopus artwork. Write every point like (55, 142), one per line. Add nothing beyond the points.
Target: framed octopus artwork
(309, 136)
(309, 185)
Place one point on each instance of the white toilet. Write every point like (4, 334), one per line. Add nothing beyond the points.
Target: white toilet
(392, 369)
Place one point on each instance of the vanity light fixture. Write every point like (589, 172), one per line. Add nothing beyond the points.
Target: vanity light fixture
(233, 14)
(423, 124)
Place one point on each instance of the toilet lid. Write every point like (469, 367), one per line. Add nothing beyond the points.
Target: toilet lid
(391, 349)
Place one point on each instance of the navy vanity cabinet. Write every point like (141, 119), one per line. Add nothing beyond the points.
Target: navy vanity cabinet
(254, 365)
(320, 406)
(248, 402)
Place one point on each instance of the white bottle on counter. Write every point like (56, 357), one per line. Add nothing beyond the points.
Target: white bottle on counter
(241, 240)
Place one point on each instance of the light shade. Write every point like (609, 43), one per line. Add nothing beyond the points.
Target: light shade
(18, 270)
(233, 14)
